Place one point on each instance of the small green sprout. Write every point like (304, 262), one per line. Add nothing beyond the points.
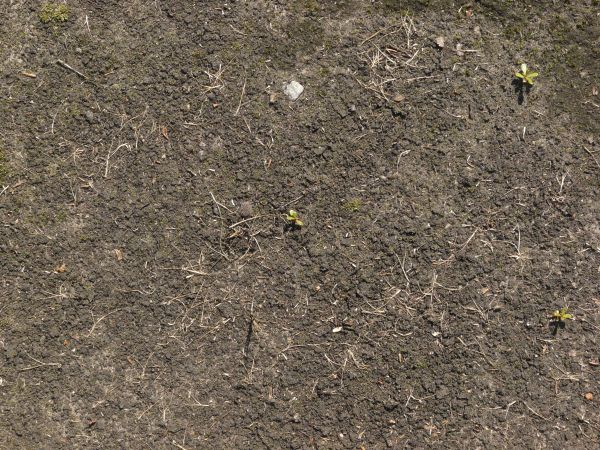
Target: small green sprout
(561, 315)
(293, 218)
(525, 75)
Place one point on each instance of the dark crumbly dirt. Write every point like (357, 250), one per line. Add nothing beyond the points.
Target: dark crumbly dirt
(152, 296)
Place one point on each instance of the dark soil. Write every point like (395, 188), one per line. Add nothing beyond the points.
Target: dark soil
(153, 296)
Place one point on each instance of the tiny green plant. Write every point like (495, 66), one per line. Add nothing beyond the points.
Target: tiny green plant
(526, 75)
(293, 218)
(54, 13)
(560, 315)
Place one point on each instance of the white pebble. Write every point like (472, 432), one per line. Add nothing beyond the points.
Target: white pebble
(293, 90)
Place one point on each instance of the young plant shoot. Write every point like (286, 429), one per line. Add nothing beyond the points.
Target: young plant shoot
(526, 75)
(558, 319)
(293, 218)
(561, 315)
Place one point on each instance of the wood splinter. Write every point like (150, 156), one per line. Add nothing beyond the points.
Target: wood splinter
(68, 67)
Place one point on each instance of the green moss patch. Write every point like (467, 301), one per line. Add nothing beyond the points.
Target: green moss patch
(54, 13)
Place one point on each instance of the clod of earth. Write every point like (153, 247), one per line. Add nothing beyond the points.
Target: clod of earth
(246, 210)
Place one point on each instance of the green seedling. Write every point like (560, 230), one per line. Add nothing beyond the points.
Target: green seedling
(293, 218)
(561, 315)
(525, 75)
(558, 318)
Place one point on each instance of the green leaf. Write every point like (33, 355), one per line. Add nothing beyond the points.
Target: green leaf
(567, 316)
(299, 222)
(532, 74)
(520, 75)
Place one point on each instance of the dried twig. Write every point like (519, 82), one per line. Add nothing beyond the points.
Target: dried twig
(248, 220)
(215, 80)
(68, 67)
(535, 413)
(40, 364)
(592, 155)
(110, 154)
(99, 320)
(237, 111)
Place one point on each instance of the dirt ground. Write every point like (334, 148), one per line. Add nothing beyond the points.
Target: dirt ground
(153, 296)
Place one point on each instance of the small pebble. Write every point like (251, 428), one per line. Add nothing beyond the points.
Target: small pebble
(293, 90)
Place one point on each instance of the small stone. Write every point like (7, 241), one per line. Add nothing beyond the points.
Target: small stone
(293, 90)
(589, 396)
(89, 116)
(399, 98)
(440, 41)
(246, 210)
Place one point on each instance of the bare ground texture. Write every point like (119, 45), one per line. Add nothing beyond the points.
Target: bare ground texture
(152, 295)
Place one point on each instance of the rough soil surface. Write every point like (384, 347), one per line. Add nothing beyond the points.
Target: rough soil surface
(153, 296)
